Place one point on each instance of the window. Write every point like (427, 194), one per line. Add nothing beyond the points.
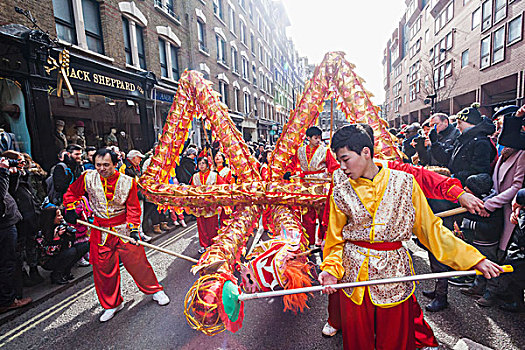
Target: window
(133, 43)
(255, 109)
(65, 21)
(476, 18)
(486, 15)
(444, 17)
(498, 45)
(163, 59)
(448, 69)
(201, 33)
(242, 28)
(245, 72)
(169, 59)
(88, 35)
(261, 54)
(464, 58)
(415, 28)
(235, 60)
(127, 40)
(236, 98)
(232, 20)
(252, 42)
(500, 10)
(485, 52)
(221, 49)
(175, 74)
(515, 29)
(254, 75)
(223, 90)
(246, 103)
(217, 9)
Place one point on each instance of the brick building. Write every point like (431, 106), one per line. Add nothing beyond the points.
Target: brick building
(125, 60)
(446, 54)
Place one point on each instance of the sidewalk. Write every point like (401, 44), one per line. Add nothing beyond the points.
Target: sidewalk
(46, 289)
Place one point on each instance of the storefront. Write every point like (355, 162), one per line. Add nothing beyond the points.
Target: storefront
(107, 105)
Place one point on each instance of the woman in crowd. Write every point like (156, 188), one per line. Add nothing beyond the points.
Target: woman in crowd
(59, 252)
(207, 221)
(225, 173)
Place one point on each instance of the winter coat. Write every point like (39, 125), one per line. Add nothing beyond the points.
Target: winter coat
(185, 170)
(473, 152)
(516, 251)
(9, 214)
(479, 229)
(445, 138)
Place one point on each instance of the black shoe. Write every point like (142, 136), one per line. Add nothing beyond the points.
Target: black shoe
(511, 307)
(429, 294)
(487, 300)
(472, 292)
(58, 279)
(438, 304)
(461, 281)
(69, 277)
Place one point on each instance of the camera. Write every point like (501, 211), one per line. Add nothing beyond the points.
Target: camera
(69, 229)
(13, 163)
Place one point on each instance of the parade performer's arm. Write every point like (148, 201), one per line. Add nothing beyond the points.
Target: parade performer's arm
(331, 163)
(75, 192)
(446, 247)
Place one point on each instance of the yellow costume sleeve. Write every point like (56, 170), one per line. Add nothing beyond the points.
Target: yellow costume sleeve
(446, 247)
(333, 248)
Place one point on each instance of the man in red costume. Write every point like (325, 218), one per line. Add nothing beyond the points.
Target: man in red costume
(372, 211)
(315, 161)
(115, 204)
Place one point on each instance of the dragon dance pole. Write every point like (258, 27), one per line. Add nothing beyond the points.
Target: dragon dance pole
(167, 251)
(428, 276)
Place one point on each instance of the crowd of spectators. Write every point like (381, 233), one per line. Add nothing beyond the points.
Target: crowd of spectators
(487, 154)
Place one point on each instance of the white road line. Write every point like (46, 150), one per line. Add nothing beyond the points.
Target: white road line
(44, 315)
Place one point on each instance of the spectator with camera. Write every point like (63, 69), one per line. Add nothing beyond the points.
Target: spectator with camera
(9, 217)
(473, 151)
(59, 253)
(411, 132)
(442, 133)
(65, 172)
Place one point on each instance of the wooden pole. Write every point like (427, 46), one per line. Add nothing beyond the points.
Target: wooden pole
(451, 212)
(184, 257)
(331, 118)
(428, 276)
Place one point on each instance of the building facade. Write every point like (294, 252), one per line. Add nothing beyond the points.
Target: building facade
(125, 59)
(446, 54)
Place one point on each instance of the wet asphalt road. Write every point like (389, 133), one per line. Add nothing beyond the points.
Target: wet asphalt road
(69, 320)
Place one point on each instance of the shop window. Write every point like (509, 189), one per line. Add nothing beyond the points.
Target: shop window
(485, 53)
(232, 20)
(65, 21)
(201, 33)
(464, 58)
(515, 30)
(476, 18)
(235, 60)
(498, 45)
(500, 10)
(87, 33)
(486, 15)
(221, 49)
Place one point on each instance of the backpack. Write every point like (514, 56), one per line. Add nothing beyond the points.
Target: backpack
(52, 195)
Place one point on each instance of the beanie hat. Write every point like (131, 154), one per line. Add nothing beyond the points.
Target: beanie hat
(479, 184)
(470, 114)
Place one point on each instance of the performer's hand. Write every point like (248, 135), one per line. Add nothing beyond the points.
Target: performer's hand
(71, 216)
(287, 175)
(134, 234)
(488, 268)
(327, 279)
(472, 203)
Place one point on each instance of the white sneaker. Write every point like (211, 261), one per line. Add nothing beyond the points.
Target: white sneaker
(83, 262)
(161, 298)
(145, 237)
(329, 331)
(109, 313)
(183, 223)
(176, 223)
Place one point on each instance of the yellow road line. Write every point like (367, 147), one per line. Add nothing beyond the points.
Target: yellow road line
(44, 315)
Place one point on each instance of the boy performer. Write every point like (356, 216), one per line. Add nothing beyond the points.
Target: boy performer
(316, 161)
(372, 210)
(115, 204)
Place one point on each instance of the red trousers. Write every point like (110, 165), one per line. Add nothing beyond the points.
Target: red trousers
(423, 334)
(106, 271)
(208, 228)
(309, 221)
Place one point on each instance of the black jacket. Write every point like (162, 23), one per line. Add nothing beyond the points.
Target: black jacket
(516, 250)
(25, 198)
(9, 214)
(408, 150)
(473, 152)
(478, 229)
(445, 138)
(185, 170)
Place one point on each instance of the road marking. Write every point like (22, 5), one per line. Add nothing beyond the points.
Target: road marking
(44, 315)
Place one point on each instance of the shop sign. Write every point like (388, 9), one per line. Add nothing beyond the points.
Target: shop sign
(82, 75)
